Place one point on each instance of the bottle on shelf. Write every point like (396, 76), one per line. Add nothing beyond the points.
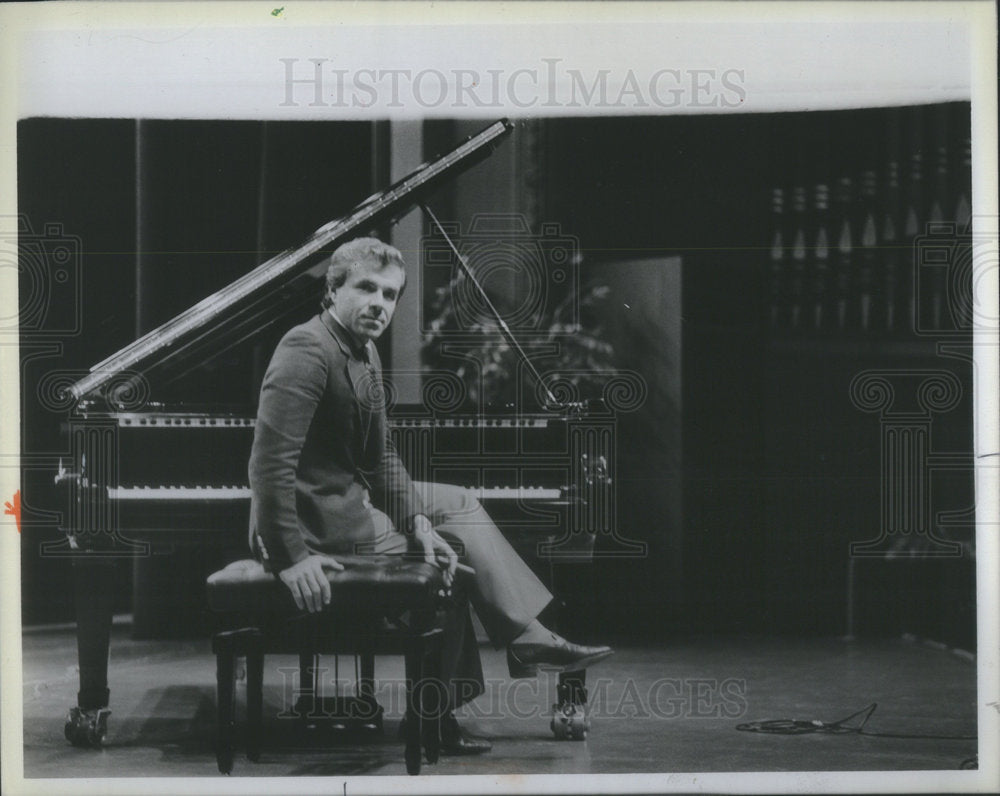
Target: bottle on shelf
(868, 285)
(914, 217)
(797, 271)
(843, 263)
(776, 270)
(895, 285)
(937, 278)
(820, 276)
(962, 166)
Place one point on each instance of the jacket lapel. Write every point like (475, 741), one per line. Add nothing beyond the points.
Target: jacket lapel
(354, 369)
(368, 397)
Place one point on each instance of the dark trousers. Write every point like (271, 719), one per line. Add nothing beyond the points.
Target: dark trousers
(506, 594)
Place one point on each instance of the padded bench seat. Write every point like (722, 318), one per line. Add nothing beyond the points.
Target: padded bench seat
(375, 584)
(258, 616)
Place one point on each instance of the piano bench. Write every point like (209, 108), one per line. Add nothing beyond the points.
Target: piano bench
(381, 605)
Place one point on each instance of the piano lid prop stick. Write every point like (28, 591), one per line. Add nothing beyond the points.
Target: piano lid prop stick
(553, 402)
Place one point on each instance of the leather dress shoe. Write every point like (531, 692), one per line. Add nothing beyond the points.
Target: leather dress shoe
(560, 655)
(454, 740)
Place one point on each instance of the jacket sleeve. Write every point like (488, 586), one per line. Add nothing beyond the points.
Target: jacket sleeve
(392, 488)
(291, 391)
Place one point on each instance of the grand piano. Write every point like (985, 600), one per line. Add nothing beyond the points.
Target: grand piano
(134, 480)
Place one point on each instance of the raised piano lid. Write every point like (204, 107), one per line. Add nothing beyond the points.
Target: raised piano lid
(278, 286)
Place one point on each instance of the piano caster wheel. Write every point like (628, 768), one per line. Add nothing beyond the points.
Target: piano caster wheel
(87, 728)
(570, 723)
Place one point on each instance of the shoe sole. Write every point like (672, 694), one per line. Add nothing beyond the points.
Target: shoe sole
(531, 669)
(583, 663)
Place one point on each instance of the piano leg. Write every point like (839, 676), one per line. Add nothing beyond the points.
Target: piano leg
(94, 583)
(569, 714)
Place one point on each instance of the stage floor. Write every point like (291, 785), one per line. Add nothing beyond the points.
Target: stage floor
(669, 709)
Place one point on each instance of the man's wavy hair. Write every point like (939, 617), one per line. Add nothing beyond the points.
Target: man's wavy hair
(355, 252)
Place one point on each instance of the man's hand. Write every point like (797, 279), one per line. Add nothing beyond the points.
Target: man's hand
(433, 546)
(307, 582)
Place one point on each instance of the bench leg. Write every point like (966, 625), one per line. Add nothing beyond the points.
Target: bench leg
(225, 664)
(371, 712)
(414, 661)
(308, 691)
(366, 683)
(433, 698)
(255, 695)
(366, 686)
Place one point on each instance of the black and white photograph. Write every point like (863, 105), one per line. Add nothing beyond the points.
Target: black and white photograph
(501, 398)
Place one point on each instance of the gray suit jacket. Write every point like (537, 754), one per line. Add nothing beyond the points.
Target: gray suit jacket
(321, 446)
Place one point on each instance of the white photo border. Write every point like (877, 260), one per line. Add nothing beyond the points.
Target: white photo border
(225, 60)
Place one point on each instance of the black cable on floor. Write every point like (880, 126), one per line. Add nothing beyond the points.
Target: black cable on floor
(841, 727)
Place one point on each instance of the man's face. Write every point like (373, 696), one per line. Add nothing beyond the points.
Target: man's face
(364, 304)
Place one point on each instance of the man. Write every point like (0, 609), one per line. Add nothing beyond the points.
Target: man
(326, 481)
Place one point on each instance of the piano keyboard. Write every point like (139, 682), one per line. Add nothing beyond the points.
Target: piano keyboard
(176, 420)
(179, 493)
(525, 421)
(182, 420)
(182, 493)
(515, 493)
